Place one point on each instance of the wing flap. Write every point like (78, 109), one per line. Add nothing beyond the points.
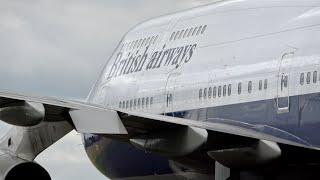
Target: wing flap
(97, 121)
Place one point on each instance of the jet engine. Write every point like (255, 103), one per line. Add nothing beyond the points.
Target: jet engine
(12, 168)
(22, 113)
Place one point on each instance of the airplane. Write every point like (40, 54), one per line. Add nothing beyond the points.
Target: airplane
(229, 90)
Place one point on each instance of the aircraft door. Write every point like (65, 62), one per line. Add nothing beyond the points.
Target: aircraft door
(169, 94)
(283, 99)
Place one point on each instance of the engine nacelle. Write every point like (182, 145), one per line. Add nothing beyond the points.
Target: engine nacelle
(22, 113)
(15, 168)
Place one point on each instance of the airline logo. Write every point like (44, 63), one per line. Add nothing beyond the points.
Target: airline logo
(136, 61)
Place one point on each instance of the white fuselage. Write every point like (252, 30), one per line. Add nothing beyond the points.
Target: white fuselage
(222, 54)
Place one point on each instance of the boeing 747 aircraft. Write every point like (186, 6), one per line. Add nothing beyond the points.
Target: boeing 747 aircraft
(229, 90)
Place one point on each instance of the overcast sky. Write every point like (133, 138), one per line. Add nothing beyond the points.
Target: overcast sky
(58, 48)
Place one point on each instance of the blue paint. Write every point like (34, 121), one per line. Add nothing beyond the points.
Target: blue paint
(301, 124)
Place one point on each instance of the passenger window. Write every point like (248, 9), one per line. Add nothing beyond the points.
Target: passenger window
(315, 76)
(147, 102)
(123, 105)
(139, 44)
(185, 33)
(239, 87)
(127, 104)
(308, 77)
(229, 90)
(135, 44)
(151, 101)
(301, 78)
(249, 86)
(224, 90)
(199, 30)
(214, 92)
(132, 45)
(190, 32)
(260, 85)
(135, 103)
(210, 92)
(143, 42)
(172, 35)
(181, 34)
(120, 105)
(177, 35)
(265, 84)
(139, 103)
(152, 40)
(194, 31)
(200, 94)
(148, 42)
(131, 104)
(205, 93)
(219, 91)
(204, 28)
(143, 100)
(155, 39)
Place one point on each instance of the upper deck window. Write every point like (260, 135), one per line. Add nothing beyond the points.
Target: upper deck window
(199, 30)
(156, 39)
(204, 29)
(136, 44)
(190, 32)
(185, 33)
(194, 31)
(181, 33)
(265, 84)
(214, 93)
(152, 40)
(177, 35)
(120, 104)
(172, 36)
(143, 42)
(140, 42)
(148, 41)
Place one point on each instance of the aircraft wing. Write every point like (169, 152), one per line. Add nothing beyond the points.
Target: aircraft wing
(139, 128)
(86, 118)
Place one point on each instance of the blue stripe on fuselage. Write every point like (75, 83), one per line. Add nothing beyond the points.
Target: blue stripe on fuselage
(300, 125)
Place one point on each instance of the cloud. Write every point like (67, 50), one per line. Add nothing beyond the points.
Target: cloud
(58, 48)
(67, 160)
